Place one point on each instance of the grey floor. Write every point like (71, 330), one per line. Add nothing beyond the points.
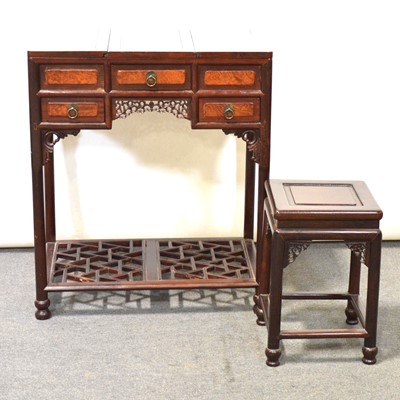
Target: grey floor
(191, 344)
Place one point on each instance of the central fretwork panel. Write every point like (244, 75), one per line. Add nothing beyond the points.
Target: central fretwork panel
(205, 262)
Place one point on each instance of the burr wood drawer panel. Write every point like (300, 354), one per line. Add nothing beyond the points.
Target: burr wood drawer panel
(229, 109)
(150, 77)
(72, 77)
(72, 110)
(230, 77)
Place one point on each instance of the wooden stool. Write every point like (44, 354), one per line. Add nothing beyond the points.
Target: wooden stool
(298, 213)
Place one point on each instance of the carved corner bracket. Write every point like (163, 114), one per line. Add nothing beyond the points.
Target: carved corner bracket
(50, 138)
(360, 249)
(254, 142)
(177, 107)
(294, 249)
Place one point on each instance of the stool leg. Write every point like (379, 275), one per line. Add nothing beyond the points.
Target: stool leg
(374, 261)
(272, 351)
(354, 286)
(263, 271)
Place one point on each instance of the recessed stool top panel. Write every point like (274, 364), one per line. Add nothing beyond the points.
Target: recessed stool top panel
(295, 201)
(322, 194)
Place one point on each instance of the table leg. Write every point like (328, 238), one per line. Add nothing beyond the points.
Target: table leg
(49, 196)
(262, 176)
(42, 302)
(249, 197)
(263, 272)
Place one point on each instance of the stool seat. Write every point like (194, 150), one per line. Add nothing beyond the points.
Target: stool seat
(298, 213)
(337, 204)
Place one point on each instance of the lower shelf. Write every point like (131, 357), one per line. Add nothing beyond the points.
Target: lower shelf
(151, 264)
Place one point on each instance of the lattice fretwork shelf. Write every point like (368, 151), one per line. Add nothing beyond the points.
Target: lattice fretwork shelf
(151, 264)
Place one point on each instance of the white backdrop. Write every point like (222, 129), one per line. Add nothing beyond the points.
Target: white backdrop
(335, 115)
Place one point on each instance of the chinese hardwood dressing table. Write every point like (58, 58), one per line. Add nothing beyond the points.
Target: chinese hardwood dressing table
(71, 91)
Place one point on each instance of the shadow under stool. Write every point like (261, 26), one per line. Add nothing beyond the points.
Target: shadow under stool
(297, 213)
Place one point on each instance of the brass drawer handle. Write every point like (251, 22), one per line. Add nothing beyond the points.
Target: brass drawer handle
(151, 79)
(72, 111)
(229, 111)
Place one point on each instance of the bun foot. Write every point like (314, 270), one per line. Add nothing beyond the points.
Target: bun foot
(369, 355)
(43, 311)
(272, 357)
(352, 317)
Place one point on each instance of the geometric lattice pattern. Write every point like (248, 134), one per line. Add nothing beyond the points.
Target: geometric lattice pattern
(98, 261)
(203, 259)
(135, 263)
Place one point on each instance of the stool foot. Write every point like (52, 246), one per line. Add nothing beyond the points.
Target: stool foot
(272, 357)
(43, 311)
(258, 311)
(352, 317)
(369, 355)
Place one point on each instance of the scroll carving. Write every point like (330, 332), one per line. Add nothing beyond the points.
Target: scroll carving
(50, 138)
(360, 248)
(179, 107)
(295, 249)
(254, 143)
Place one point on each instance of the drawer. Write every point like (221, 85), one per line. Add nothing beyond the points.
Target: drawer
(229, 77)
(72, 110)
(229, 109)
(151, 77)
(72, 77)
